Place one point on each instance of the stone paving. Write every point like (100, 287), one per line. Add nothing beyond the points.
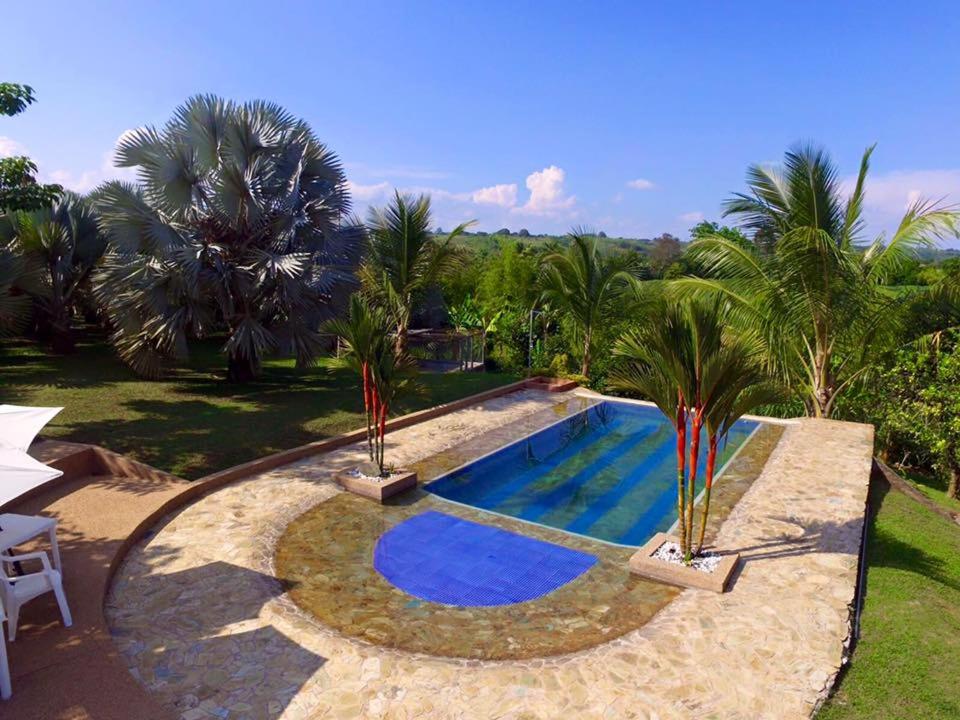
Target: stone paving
(204, 624)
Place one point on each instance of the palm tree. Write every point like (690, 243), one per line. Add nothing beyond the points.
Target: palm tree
(239, 222)
(65, 242)
(584, 284)
(385, 371)
(734, 382)
(404, 258)
(701, 376)
(808, 286)
(20, 281)
(363, 330)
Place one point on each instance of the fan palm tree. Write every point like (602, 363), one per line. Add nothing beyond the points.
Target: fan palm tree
(20, 282)
(239, 221)
(584, 285)
(65, 243)
(404, 258)
(808, 286)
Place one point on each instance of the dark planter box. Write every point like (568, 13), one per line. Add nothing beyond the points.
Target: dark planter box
(551, 384)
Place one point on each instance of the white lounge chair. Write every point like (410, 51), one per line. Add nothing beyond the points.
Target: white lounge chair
(17, 590)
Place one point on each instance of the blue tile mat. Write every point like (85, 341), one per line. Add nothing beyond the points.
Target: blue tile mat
(446, 559)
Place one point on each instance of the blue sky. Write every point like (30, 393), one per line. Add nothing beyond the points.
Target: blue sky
(632, 118)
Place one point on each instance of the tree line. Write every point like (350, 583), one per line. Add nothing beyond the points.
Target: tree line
(240, 226)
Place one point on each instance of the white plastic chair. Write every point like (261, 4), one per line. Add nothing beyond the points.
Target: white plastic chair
(18, 590)
(5, 688)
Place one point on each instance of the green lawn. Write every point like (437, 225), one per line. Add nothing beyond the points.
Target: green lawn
(905, 665)
(934, 487)
(193, 422)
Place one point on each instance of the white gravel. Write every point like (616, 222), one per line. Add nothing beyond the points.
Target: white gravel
(670, 552)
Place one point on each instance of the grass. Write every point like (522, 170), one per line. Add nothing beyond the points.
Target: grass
(905, 663)
(193, 422)
(934, 487)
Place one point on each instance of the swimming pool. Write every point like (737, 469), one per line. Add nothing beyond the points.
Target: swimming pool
(608, 472)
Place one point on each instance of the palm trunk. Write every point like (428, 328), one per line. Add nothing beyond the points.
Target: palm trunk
(585, 366)
(241, 369)
(365, 370)
(681, 472)
(711, 463)
(382, 432)
(692, 480)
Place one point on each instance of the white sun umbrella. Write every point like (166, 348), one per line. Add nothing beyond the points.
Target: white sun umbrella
(19, 472)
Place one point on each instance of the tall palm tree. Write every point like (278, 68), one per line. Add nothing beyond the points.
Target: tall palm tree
(404, 258)
(65, 243)
(584, 284)
(808, 286)
(240, 222)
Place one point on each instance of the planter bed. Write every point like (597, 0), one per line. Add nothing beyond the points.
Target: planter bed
(377, 489)
(644, 563)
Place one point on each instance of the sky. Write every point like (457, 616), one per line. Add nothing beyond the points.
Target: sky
(631, 118)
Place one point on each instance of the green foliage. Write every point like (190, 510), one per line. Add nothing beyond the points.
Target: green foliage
(237, 223)
(915, 405)
(14, 98)
(19, 189)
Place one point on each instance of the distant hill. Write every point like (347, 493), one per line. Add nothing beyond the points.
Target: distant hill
(485, 242)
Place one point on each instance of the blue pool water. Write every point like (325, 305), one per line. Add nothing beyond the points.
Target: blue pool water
(608, 472)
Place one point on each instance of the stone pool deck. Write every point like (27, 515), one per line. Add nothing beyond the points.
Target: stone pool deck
(205, 626)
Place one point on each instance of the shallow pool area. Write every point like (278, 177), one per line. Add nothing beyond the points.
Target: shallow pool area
(608, 472)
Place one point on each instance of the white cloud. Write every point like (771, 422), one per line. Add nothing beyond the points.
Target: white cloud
(504, 195)
(692, 217)
(84, 181)
(10, 147)
(640, 184)
(368, 193)
(492, 206)
(547, 195)
(889, 195)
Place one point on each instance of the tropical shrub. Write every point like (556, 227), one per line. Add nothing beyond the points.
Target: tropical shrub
(807, 286)
(914, 404)
(239, 222)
